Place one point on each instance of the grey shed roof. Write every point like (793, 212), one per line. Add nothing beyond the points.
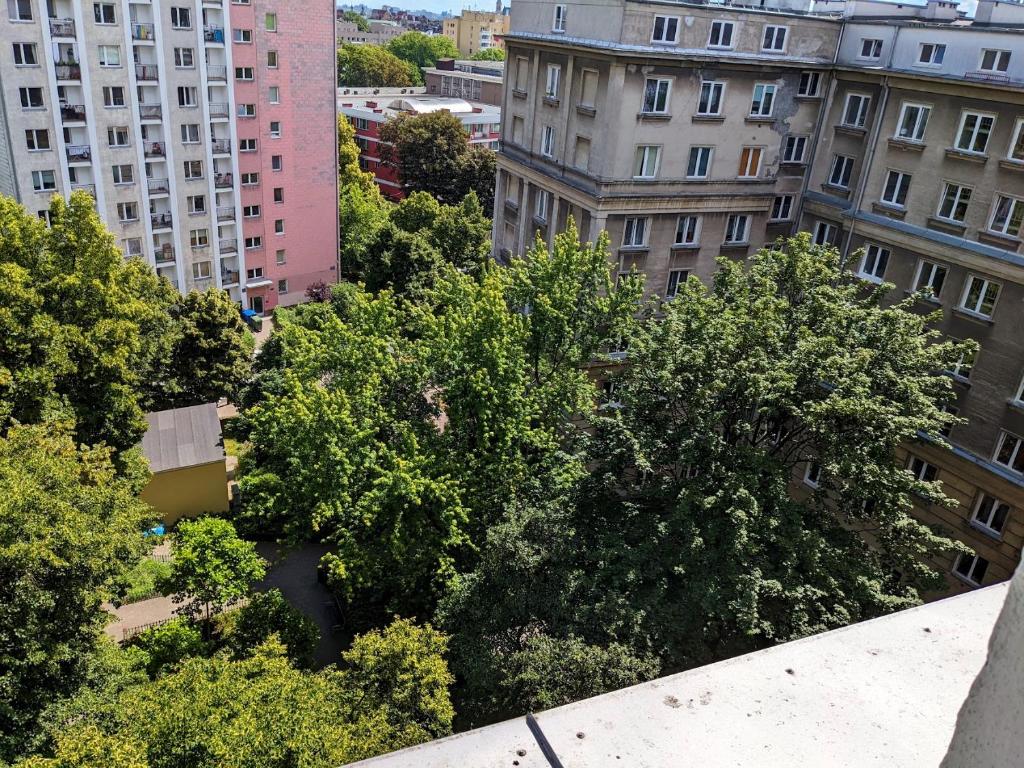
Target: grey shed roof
(183, 437)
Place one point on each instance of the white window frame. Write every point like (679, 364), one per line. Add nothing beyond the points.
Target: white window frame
(676, 278)
(109, 56)
(812, 470)
(1016, 452)
(813, 77)
(721, 27)
(970, 576)
(929, 272)
(689, 226)
(737, 229)
(767, 96)
(874, 263)
(558, 18)
(861, 118)
(930, 54)
(986, 524)
(712, 87)
(790, 146)
(847, 167)
(703, 150)
(662, 92)
(1016, 143)
(541, 200)
(547, 141)
(667, 23)
(975, 133)
(751, 153)
(773, 31)
(978, 309)
(782, 208)
(958, 199)
(900, 189)
(1001, 56)
(635, 230)
(918, 125)
(828, 229)
(876, 48)
(647, 161)
(1016, 210)
(184, 58)
(554, 77)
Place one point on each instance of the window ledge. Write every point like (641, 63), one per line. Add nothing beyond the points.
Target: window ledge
(759, 119)
(634, 248)
(906, 145)
(735, 246)
(552, 101)
(707, 118)
(944, 225)
(985, 530)
(963, 381)
(540, 222)
(965, 313)
(792, 164)
(889, 210)
(852, 130)
(844, 191)
(685, 246)
(1008, 242)
(583, 109)
(1017, 405)
(808, 97)
(653, 116)
(1011, 165)
(517, 94)
(925, 298)
(972, 157)
(965, 580)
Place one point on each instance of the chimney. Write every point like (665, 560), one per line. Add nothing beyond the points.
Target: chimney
(447, 65)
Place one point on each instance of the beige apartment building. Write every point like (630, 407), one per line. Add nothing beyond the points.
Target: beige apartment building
(690, 131)
(475, 31)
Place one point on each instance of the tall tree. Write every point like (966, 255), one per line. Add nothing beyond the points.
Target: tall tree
(69, 525)
(489, 54)
(358, 19)
(371, 66)
(422, 50)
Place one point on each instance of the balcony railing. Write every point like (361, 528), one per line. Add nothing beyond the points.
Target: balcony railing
(226, 213)
(165, 254)
(154, 148)
(87, 188)
(218, 110)
(150, 112)
(223, 180)
(143, 32)
(72, 113)
(78, 153)
(62, 27)
(160, 220)
(159, 187)
(146, 71)
(217, 72)
(228, 277)
(213, 34)
(68, 71)
(221, 146)
(228, 246)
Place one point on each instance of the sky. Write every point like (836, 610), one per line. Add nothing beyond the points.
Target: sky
(437, 6)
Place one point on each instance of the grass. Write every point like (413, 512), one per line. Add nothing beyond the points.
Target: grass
(233, 445)
(142, 581)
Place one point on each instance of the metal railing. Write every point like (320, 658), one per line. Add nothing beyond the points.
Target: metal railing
(68, 71)
(221, 146)
(228, 246)
(165, 254)
(159, 186)
(78, 153)
(218, 110)
(146, 71)
(150, 112)
(143, 32)
(72, 112)
(159, 220)
(154, 148)
(228, 277)
(213, 34)
(223, 180)
(226, 213)
(217, 72)
(62, 27)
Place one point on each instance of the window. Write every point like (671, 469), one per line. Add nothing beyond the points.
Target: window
(275, 129)
(825, 233)
(19, 10)
(25, 54)
(280, 257)
(272, 59)
(666, 29)
(710, 102)
(954, 201)
(193, 169)
(931, 54)
(810, 84)
(103, 13)
(113, 96)
(761, 104)
(581, 153)
(974, 132)
(990, 514)
(971, 568)
(980, 295)
(201, 269)
(276, 162)
(244, 73)
(687, 231)
(750, 163)
(588, 90)
(873, 264)
(634, 232)
(32, 98)
(181, 18)
(774, 38)
(721, 34)
(645, 165)
(254, 274)
(197, 204)
(274, 94)
(247, 145)
(994, 61)
(43, 181)
(251, 211)
(782, 208)
(251, 243)
(189, 133)
(247, 110)
(676, 278)
(241, 36)
(551, 86)
(897, 185)
(251, 179)
(922, 470)
(278, 194)
(37, 139)
(282, 286)
(870, 48)
(117, 137)
(930, 278)
(812, 474)
(794, 149)
(737, 227)
(912, 122)
(270, 22)
(127, 212)
(1007, 216)
(547, 141)
(278, 226)
(656, 96)
(699, 164)
(1016, 152)
(1010, 453)
(842, 169)
(133, 246)
(123, 174)
(187, 96)
(540, 205)
(200, 238)
(855, 113)
(962, 368)
(184, 58)
(110, 56)
(558, 20)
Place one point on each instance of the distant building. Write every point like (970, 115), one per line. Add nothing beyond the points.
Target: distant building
(186, 456)
(476, 31)
(472, 80)
(367, 108)
(380, 32)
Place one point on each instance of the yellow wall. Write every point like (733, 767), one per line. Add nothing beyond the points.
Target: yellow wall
(464, 30)
(188, 492)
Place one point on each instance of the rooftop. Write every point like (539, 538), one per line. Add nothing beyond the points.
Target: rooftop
(391, 104)
(183, 437)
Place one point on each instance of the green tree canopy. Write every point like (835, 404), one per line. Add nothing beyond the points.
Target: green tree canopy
(422, 50)
(358, 19)
(489, 54)
(269, 613)
(169, 644)
(371, 66)
(69, 525)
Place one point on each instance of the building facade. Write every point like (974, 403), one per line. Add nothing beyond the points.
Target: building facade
(181, 120)
(895, 133)
(379, 33)
(472, 80)
(475, 31)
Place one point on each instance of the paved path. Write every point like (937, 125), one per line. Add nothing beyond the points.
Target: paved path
(134, 615)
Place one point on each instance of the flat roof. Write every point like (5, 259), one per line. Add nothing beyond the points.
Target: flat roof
(389, 105)
(183, 437)
(883, 693)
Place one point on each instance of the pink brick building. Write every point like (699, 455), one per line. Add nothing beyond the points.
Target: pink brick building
(283, 55)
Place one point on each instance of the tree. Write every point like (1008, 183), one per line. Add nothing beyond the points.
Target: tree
(477, 170)
(489, 54)
(212, 567)
(266, 614)
(89, 747)
(69, 525)
(462, 233)
(358, 19)
(422, 50)
(349, 171)
(169, 644)
(362, 213)
(319, 292)
(371, 66)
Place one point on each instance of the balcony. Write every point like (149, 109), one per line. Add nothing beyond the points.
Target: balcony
(213, 34)
(150, 112)
(89, 189)
(223, 180)
(218, 110)
(228, 246)
(217, 72)
(221, 146)
(79, 153)
(72, 113)
(146, 72)
(160, 220)
(165, 254)
(154, 149)
(226, 213)
(228, 278)
(62, 27)
(159, 187)
(68, 71)
(143, 32)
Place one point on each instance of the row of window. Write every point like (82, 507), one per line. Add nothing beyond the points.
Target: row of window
(932, 55)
